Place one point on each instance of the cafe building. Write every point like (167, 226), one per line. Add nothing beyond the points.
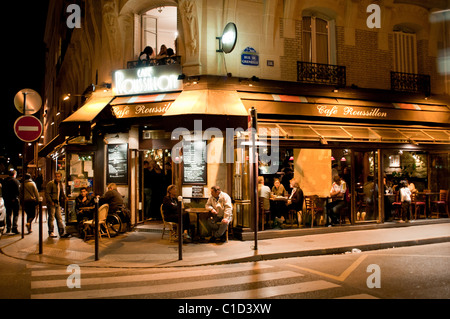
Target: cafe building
(191, 113)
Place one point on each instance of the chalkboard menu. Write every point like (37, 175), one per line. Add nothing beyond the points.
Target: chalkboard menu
(194, 162)
(117, 164)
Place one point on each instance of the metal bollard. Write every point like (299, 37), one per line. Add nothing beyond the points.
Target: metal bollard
(96, 229)
(40, 227)
(180, 228)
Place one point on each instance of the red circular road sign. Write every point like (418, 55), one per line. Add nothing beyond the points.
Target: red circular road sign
(28, 128)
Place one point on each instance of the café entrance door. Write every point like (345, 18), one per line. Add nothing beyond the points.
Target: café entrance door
(366, 186)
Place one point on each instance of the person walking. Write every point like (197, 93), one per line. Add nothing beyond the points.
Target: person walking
(54, 194)
(11, 192)
(31, 199)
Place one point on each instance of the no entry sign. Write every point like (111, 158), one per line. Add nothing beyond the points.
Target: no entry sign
(28, 128)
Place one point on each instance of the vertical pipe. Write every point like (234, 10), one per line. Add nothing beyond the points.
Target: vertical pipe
(180, 228)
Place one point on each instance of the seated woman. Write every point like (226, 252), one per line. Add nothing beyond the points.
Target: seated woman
(295, 200)
(146, 56)
(170, 210)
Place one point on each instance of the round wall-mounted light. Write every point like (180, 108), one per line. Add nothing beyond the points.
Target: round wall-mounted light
(229, 38)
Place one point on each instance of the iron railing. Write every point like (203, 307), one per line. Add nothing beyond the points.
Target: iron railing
(319, 73)
(176, 59)
(410, 82)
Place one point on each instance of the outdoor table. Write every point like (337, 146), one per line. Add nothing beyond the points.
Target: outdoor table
(279, 205)
(199, 212)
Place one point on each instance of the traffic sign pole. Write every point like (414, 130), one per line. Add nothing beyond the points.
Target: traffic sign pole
(28, 129)
(23, 168)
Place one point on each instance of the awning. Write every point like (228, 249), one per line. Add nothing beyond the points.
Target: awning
(79, 123)
(208, 102)
(348, 110)
(50, 146)
(348, 133)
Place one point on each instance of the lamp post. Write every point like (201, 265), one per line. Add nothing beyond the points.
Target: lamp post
(253, 155)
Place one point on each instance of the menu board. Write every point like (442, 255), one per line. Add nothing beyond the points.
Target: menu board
(117, 164)
(194, 162)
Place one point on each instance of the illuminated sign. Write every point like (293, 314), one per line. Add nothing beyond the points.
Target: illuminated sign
(140, 110)
(161, 78)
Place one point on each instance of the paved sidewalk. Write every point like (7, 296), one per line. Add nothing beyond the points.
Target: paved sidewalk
(147, 249)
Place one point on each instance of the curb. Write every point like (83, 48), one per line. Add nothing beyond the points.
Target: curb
(331, 251)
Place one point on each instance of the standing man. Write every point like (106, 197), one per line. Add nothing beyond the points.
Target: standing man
(54, 194)
(11, 191)
(221, 208)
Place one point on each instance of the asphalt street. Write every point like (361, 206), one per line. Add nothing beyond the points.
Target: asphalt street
(399, 273)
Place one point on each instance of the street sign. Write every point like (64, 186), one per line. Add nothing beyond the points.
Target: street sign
(31, 98)
(28, 128)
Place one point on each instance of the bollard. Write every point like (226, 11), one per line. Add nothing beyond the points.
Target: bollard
(40, 227)
(96, 229)
(180, 228)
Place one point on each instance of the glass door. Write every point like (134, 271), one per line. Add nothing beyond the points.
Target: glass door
(366, 186)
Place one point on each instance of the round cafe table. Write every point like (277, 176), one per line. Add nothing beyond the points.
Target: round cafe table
(199, 212)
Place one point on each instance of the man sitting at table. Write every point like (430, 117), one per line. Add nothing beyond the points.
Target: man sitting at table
(221, 209)
(84, 205)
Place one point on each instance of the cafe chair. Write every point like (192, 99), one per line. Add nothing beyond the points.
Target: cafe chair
(416, 204)
(90, 224)
(171, 227)
(312, 207)
(344, 212)
(442, 202)
(397, 205)
(263, 212)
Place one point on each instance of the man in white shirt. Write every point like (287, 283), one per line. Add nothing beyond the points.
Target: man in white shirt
(221, 208)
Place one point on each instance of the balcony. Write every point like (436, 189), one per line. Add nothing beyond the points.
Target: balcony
(410, 82)
(176, 59)
(319, 73)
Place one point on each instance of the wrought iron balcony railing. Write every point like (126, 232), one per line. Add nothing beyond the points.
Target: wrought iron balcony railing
(176, 59)
(319, 73)
(410, 82)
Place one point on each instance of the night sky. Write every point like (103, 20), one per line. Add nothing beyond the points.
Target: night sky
(23, 66)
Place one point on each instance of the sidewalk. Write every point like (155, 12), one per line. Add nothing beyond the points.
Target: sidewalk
(145, 248)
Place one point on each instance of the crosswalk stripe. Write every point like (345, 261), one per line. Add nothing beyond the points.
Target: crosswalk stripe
(166, 288)
(268, 292)
(143, 277)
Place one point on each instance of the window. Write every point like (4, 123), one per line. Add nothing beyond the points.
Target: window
(159, 27)
(405, 50)
(316, 40)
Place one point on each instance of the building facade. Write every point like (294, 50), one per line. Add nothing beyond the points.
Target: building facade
(361, 84)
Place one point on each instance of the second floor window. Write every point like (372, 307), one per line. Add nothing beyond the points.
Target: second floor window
(316, 40)
(405, 51)
(159, 27)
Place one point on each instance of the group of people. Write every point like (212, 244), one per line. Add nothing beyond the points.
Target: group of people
(294, 200)
(11, 191)
(55, 199)
(149, 57)
(220, 215)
